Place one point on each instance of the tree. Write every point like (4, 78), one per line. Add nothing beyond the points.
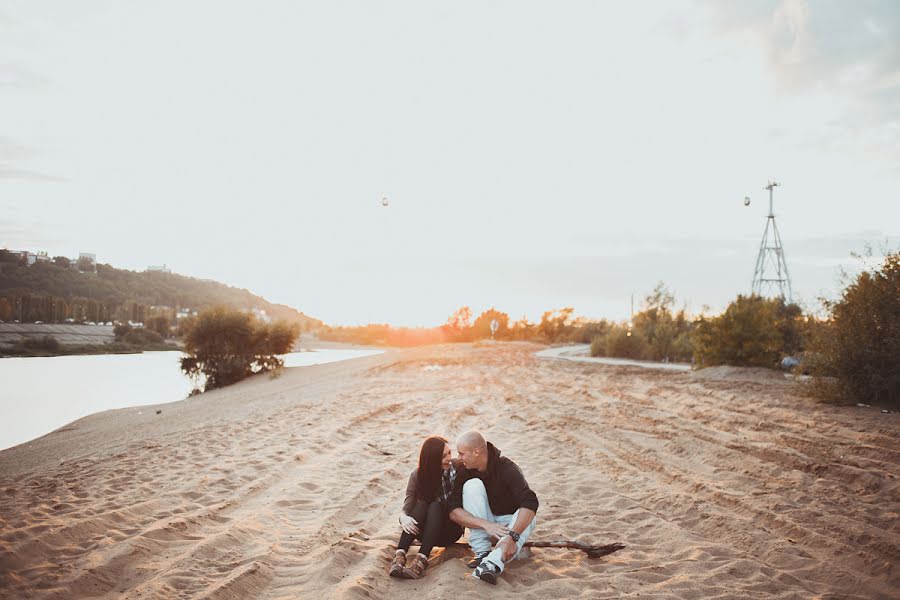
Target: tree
(522, 329)
(554, 323)
(161, 324)
(225, 346)
(482, 324)
(85, 264)
(62, 261)
(666, 333)
(746, 334)
(6, 310)
(459, 325)
(855, 355)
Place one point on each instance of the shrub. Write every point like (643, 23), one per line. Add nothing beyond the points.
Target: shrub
(585, 332)
(142, 337)
(752, 332)
(855, 355)
(225, 346)
(618, 343)
(746, 334)
(47, 343)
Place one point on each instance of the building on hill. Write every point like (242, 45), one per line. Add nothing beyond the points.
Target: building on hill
(159, 269)
(29, 258)
(86, 261)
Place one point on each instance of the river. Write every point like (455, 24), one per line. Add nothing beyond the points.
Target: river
(38, 395)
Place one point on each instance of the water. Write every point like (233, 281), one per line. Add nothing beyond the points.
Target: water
(38, 395)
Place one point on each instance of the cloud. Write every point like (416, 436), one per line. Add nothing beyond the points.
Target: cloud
(11, 153)
(16, 77)
(848, 50)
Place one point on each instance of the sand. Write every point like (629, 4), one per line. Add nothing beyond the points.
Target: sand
(283, 488)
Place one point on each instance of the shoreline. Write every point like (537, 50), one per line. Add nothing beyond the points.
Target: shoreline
(97, 379)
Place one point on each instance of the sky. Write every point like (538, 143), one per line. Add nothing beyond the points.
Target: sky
(534, 155)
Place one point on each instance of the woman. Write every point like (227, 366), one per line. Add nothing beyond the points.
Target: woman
(425, 513)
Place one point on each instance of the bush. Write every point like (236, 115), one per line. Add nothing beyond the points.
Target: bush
(142, 337)
(618, 343)
(226, 346)
(752, 332)
(47, 343)
(585, 332)
(855, 355)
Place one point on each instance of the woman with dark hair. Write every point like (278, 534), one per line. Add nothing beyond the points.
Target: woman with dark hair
(425, 515)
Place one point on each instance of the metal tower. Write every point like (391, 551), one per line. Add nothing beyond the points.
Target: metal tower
(771, 277)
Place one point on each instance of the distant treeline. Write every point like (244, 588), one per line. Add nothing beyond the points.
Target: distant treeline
(555, 326)
(658, 331)
(57, 290)
(853, 354)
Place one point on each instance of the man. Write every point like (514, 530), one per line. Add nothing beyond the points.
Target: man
(492, 499)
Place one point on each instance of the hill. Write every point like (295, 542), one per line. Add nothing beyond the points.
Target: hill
(53, 292)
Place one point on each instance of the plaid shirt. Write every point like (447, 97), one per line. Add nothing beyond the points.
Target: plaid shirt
(448, 478)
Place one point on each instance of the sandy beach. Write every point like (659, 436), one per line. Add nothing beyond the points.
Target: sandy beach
(290, 487)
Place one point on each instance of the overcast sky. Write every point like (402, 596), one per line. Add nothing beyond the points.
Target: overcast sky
(535, 155)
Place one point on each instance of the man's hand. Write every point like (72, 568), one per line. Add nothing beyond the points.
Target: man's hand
(409, 525)
(509, 548)
(496, 530)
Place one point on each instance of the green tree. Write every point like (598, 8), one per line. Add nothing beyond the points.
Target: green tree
(666, 333)
(855, 355)
(747, 334)
(225, 346)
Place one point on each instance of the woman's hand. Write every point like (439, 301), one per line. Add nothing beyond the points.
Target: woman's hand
(409, 525)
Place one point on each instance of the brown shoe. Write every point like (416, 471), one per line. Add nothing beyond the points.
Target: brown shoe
(398, 565)
(416, 569)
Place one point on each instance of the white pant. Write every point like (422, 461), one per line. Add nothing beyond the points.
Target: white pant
(475, 502)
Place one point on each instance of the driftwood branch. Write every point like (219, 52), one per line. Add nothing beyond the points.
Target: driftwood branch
(593, 551)
(380, 450)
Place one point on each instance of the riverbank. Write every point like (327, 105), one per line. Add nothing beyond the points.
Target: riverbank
(291, 486)
(84, 350)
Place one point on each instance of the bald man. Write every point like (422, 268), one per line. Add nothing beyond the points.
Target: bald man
(491, 498)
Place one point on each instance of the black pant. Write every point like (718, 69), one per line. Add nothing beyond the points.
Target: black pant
(435, 527)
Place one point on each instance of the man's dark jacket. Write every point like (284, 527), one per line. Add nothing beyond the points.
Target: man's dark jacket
(506, 487)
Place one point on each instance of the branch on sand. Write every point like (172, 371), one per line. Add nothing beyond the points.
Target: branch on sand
(593, 551)
(380, 450)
